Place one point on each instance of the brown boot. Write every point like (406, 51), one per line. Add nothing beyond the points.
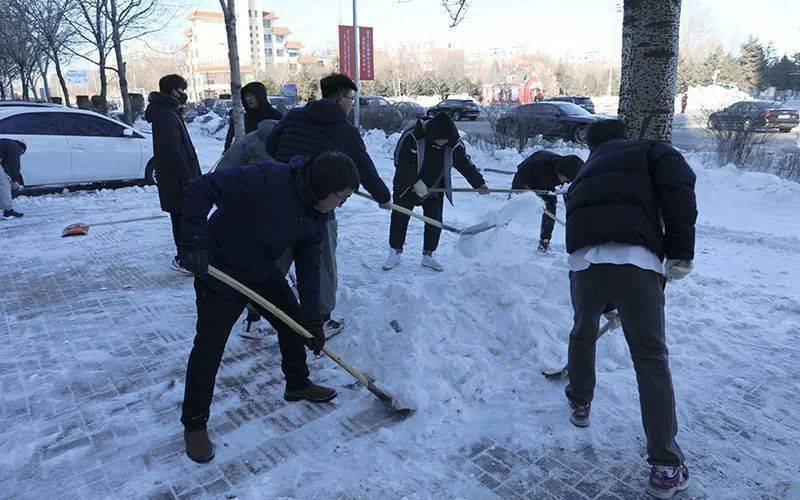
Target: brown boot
(198, 446)
(314, 393)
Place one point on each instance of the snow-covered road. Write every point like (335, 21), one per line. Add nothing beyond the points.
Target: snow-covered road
(95, 331)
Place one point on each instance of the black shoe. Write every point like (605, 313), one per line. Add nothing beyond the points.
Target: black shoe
(314, 393)
(198, 446)
(7, 214)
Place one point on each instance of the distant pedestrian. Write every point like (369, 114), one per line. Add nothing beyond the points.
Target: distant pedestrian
(175, 159)
(11, 176)
(319, 126)
(423, 159)
(257, 108)
(545, 171)
(684, 102)
(631, 206)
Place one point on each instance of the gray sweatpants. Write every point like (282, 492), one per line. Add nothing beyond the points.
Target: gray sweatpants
(329, 282)
(639, 297)
(5, 191)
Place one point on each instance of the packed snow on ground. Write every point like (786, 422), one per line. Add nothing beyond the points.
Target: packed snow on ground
(474, 338)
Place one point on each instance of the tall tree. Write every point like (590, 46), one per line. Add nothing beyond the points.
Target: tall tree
(650, 40)
(49, 19)
(20, 46)
(753, 65)
(91, 26)
(229, 12)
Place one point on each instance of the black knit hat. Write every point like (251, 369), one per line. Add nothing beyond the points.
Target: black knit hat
(602, 131)
(568, 166)
(441, 126)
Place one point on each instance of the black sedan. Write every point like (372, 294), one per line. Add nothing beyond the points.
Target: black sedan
(457, 109)
(755, 115)
(378, 113)
(581, 101)
(410, 110)
(550, 119)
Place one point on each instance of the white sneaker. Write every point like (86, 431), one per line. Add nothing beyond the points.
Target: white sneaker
(332, 327)
(431, 263)
(177, 267)
(392, 260)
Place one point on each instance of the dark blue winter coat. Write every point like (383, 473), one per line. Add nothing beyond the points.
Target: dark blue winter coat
(321, 126)
(173, 152)
(634, 192)
(10, 151)
(261, 211)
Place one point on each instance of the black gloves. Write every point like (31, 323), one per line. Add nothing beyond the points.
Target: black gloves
(194, 259)
(314, 327)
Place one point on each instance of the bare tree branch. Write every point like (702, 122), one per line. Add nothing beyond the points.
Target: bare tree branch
(456, 9)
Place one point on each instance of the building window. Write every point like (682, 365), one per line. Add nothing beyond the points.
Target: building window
(280, 52)
(279, 38)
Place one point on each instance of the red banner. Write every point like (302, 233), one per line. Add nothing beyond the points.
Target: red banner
(366, 58)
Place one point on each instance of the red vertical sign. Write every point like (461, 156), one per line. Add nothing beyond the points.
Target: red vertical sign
(347, 42)
(366, 57)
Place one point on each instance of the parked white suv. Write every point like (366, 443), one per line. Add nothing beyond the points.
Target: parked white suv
(75, 146)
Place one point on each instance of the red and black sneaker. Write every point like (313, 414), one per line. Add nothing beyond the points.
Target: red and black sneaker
(580, 413)
(665, 481)
(544, 246)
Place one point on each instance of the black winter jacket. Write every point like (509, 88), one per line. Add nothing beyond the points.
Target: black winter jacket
(637, 193)
(252, 117)
(261, 211)
(321, 126)
(538, 171)
(175, 158)
(434, 169)
(10, 151)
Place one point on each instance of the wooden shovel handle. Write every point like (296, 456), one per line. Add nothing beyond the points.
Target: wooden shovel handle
(410, 213)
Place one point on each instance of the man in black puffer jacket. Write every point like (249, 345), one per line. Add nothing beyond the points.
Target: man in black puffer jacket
(322, 126)
(631, 206)
(257, 108)
(175, 159)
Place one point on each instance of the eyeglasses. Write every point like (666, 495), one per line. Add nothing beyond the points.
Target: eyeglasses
(351, 97)
(341, 200)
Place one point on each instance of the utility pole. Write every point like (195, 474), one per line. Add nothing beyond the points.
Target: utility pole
(357, 65)
(617, 9)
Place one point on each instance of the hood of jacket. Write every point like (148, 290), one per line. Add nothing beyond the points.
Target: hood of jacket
(325, 111)
(159, 103)
(263, 109)
(301, 166)
(440, 127)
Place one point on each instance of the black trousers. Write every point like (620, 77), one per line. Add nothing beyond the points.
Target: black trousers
(639, 297)
(432, 207)
(175, 218)
(548, 223)
(216, 316)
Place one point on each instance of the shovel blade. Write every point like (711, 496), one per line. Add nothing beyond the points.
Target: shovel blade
(79, 229)
(477, 229)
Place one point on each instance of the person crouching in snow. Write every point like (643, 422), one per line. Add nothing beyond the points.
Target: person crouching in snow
(10, 175)
(263, 211)
(631, 206)
(544, 171)
(423, 159)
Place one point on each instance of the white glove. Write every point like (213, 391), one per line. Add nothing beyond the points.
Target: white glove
(420, 188)
(613, 319)
(677, 269)
(562, 189)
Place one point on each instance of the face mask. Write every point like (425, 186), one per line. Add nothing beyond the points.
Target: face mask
(181, 97)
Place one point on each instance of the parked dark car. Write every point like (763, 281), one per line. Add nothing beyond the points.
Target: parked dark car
(21, 103)
(281, 103)
(550, 119)
(457, 109)
(755, 115)
(410, 110)
(581, 101)
(378, 113)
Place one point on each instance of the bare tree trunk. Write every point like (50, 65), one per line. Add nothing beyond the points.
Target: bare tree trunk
(127, 116)
(229, 11)
(650, 40)
(61, 80)
(44, 80)
(103, 109)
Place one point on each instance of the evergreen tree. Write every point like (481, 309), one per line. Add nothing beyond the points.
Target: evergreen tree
(753, 65)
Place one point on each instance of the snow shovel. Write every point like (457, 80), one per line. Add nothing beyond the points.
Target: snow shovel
(81, 229)
(491, 190)
(557, 374)
(467, 231)
(261, 301)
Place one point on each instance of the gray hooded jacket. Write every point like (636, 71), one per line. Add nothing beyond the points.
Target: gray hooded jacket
(250, 149)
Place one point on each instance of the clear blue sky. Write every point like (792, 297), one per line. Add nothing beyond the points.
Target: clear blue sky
(566, 26)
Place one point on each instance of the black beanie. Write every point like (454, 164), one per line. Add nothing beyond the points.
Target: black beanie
(441, 126)
(602, 131)
(568, 166)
